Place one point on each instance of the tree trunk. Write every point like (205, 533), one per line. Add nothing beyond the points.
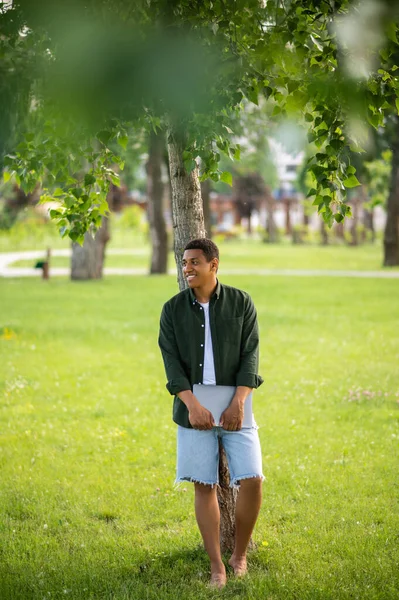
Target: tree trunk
(339, 231)
(271, 228)
(287, 207)
(187, 212)
(323, 232)
(16, 203)
(391, 234)
(156, 219)
(305, 215)
(369, 223)
(354, 241)
(188, 224)
(88, 260)
(205, 193)
(249, 224)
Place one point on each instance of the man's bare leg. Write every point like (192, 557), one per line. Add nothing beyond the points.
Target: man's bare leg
(208, 519)
(248, 504)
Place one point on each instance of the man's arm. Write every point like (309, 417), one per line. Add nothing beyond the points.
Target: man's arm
(247, 376)
(175, 373)
(178, 383)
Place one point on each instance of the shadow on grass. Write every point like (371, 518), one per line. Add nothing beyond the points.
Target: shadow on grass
(170, 575)
(167, 575)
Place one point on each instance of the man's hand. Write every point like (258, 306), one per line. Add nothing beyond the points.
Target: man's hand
(200, 417)
(233, 416)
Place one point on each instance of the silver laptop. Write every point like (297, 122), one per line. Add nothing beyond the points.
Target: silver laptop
(216, 398)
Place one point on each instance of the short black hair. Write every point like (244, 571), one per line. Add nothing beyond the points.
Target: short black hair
(208, 247)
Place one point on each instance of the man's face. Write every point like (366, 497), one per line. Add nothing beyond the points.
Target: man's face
(196, 269)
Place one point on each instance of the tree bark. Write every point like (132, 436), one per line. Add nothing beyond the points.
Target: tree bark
(227, 498)
(205, 193)
(155, 190)
(187, 211)
(391, 234)
(355, 202)
(188, 224)
(369, 223)
(271, 228)
(287, 207)
(88, 260)
(15, 204)
(323, 232)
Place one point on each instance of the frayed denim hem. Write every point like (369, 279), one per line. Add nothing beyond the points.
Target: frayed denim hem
(235, 483)
(181, 480)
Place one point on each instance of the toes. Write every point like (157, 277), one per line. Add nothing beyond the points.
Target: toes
(218, 581)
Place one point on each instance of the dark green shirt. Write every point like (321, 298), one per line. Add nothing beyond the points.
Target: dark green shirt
(235, 342)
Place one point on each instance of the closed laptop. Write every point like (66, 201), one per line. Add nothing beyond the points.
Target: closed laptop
(216, 398)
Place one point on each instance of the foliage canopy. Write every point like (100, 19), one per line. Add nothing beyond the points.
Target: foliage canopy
(79, 80)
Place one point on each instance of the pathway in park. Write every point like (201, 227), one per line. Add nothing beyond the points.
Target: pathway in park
(8, 258)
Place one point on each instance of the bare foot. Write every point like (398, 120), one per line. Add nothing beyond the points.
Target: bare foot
(239, 565)
(218, 576)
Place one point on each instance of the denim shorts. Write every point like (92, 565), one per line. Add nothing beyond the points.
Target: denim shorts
(198, 455)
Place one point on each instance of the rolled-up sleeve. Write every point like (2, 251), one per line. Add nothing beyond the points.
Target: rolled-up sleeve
(175, 373)
(249, 359)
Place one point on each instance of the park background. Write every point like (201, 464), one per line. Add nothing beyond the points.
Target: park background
(88, 508)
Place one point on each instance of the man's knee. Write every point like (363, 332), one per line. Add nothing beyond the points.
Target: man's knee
(204, 488)
(251, 483)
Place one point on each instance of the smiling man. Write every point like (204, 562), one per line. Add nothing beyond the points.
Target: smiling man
(209, 336)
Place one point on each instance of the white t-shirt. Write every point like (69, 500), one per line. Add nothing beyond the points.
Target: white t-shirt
(209, 377)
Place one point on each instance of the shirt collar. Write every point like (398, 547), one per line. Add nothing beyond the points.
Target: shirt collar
(215, 293)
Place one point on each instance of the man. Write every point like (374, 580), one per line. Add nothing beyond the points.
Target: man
(209, 335)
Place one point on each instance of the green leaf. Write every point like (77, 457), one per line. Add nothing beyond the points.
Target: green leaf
(77, 192)
(318, 201)
(73, 234)
(104, 136)
(338, 217)
(391, 31)
(374, 120)
(6, 176)
(86, 204)
(397, 104)
(189, 165)
(89, 179)
(227, 177)
(123, 140)
(308, 117)
(69, 201)
(356, 148)
(351, 182)
(252, 93)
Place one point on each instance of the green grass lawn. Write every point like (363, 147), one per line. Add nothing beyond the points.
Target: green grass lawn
(253, 254)
(88, 508)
